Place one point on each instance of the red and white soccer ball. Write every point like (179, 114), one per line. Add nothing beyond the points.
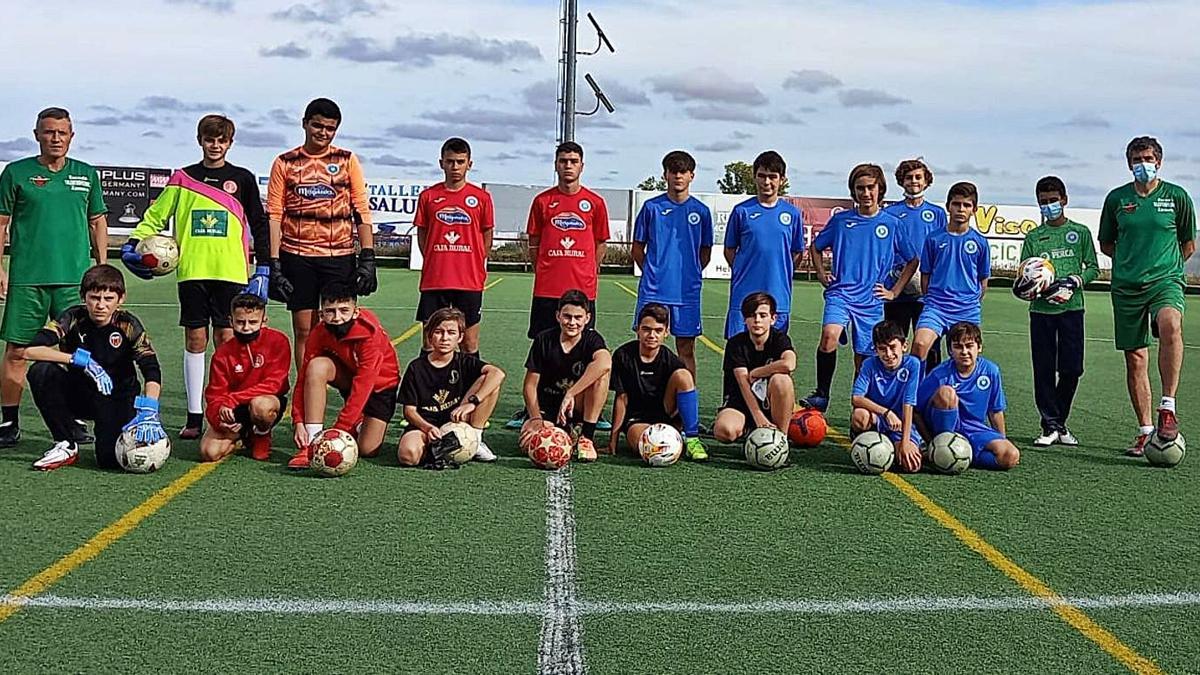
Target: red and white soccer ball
(660, 445)
(334, 453)
(160, 253)
(548, 448)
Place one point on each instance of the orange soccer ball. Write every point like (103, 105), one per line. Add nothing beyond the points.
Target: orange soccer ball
(807, 428)
(548, 448)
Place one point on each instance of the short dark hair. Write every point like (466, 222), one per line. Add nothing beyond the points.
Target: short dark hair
(909, 165)
(441, 316)
(337, 291)
(54, 113)
(770, 161)
(568, 146)
(656, 311)
(886, 331)
(456, 145)
(963, 189)
(248, 301)
(872, 170)
(574, 297)
(215, 126)
(1144, 143)
(322, 107)
(678, 161)
(1051, 184)
(102, 278)
(751, 303)
(965, 330)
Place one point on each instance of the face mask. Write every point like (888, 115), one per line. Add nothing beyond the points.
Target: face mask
(1144, 172)
(1052, 211)
(247, 338)
(914, 195)
(339, 330)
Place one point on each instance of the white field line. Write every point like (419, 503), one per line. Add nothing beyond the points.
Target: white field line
(814, 606)
(560, 645)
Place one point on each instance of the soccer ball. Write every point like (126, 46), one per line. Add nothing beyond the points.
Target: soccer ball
(137, 457)
(949, 453)
(467, 440)
(807, 428)
(334, 453)
(872, 452)
(1034, 276)
(160, 253)
(1165, 453)
(766, 448)
(660, 445)
(548, 448)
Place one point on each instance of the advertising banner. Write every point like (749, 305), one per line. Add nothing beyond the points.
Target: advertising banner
(128, 192)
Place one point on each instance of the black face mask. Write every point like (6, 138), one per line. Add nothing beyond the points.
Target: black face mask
(339, 330)
(247, 338)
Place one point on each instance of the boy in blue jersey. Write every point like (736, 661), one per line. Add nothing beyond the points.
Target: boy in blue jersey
(966, 395)
(918, 219)
(672, 243)
(885, 392)
(955, 266)
(764, 240)
(865, 241)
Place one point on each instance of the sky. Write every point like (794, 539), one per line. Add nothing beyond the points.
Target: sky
(999, 93)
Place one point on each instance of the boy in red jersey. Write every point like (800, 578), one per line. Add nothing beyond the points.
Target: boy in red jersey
(454, 222)
(350, 350)
(247, 384)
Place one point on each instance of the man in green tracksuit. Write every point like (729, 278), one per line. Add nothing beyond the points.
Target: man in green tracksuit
(1056, 317)
(1148, 227)
(52, 213)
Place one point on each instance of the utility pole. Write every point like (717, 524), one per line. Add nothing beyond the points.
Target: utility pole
(567, 70)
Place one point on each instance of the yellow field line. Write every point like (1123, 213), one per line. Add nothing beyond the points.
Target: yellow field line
(40, 582)
(711, 345)
(492, 284)
(626, 288)
(412, 330)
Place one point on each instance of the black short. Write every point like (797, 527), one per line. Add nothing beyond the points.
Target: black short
(310, 274)
(468, 302)
(543, 315)
(242, 414)
(903, 312)
(550, 411)
(654, 417)
(380, 404)
(206, 301)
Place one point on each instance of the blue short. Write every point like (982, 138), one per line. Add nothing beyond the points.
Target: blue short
(979, 434)
(685, 319)
(939, 320)
(734, 323)
(894, 436)
(858, 320)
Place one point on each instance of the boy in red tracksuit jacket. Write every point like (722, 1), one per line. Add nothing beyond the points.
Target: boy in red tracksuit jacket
(350, 351)
(247, 384)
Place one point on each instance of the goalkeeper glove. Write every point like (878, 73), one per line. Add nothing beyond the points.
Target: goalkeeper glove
(133, 260)
(260, 283)
(82, 358)
(279, 286)
(147, 428)
(1063, 290)
(365, 275)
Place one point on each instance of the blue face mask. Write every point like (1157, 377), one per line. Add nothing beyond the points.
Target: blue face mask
(1052, 211)
(1144, 172)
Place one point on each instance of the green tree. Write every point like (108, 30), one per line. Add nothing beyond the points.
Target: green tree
(739, 180)
(654, 183)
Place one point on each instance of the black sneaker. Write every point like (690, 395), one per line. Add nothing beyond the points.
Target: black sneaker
(10, 435)
(517, 420)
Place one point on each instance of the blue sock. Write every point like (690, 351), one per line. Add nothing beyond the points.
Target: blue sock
(688, 405)
(942, 419)
(986, 459)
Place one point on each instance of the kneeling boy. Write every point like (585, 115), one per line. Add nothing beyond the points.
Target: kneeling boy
(966, 395)
(247, 384)
(759, 362)
(654, 385)
(446, 385)
(885, 392)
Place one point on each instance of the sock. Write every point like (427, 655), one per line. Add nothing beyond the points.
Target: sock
(589, 430)
(195, 420)
(688, 405)
(1148, 429)
(943, 420)
(1168, 403)
(312, 429)
(193, 382)
(826, 365)
(9, 413)
(986, 459)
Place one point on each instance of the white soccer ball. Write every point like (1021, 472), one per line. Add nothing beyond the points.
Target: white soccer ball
(949, 453)
(137, 457)
(467, 440)
(660, 445)
(766, 448)
(1034, 276)
(1165, 453)
(334, 453)
(160, 253)
(872, 452)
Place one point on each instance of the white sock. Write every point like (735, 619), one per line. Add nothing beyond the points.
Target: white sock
(1148, 429)
(193, 381)
(312, 429)
(1168, 403)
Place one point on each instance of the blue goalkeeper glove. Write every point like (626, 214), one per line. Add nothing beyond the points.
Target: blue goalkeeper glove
(260, 283)
(133, 260)
(82, 358)
(147, 428)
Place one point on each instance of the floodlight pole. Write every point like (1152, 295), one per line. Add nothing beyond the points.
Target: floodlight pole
(570, 21)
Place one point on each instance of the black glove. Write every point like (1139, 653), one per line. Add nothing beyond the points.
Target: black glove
(1062, 290)
(364, 277)
(437, 453)
(279, 288)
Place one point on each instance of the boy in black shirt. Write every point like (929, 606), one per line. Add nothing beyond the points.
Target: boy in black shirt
(566, 375)
(446, 385)
(653, 385)
(758, 389)
(84, 369)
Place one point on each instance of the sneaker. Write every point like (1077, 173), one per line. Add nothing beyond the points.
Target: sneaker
(80, 435)
(517, 420)
(585, 449)
(1138, 448)
(10, 435)
(1168, 425)
(260, 447)
(190, 433)
(1047, 439)
(300, 460)
(1065, 437)
(64, 453)
(695, 450)
(483, 453)
(603, 424)
(816, 400)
